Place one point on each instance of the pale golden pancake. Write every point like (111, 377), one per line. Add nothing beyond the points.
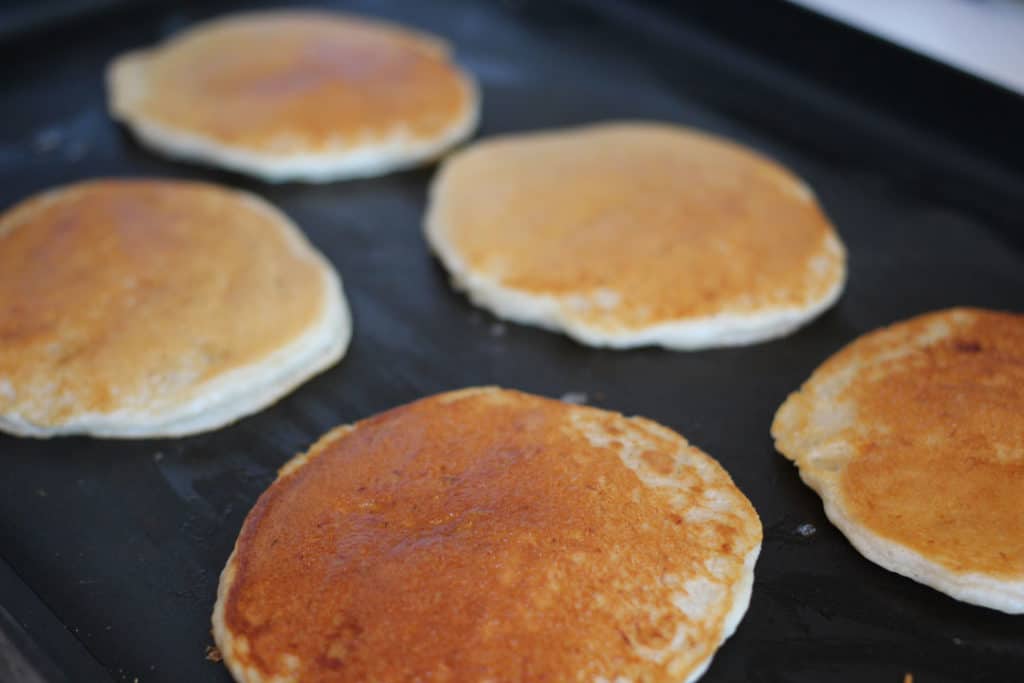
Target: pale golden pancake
(629, 234)
(914, 437)
(132, 308)
(304, 95)
(487, 534)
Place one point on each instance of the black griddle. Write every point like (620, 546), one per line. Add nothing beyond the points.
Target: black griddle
(110, 550)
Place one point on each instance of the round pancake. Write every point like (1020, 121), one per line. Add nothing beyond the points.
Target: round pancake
(296, 95)
(630, 234)
(914, 437)
(134, 308)
(487, 534)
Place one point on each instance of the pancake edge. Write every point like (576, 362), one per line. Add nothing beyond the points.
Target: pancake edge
(742, 592)
(974, 588)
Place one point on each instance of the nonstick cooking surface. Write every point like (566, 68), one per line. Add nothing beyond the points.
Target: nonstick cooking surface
(121, 542)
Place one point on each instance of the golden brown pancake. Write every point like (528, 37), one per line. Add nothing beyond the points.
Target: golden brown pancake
(156, 307)
(296, 95)
(914, 437)
(627, 234)
(488, 534)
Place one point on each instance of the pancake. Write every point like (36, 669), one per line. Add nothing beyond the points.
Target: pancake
(135, 308)
(632, 234)
(296, 95)
(913, 435)
(487, 534)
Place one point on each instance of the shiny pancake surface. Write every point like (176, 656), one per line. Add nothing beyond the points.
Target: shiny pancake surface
(488, 534)
(122, 301)
(287, 83)
(914, 436)
(631, 233)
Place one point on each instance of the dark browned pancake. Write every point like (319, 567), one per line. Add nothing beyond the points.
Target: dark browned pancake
(489, 535)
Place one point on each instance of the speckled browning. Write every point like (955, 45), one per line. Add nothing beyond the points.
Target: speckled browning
(489, 535)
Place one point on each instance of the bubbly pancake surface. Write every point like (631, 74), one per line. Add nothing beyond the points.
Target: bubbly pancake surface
(631, 226)
(489, 535)
(916, 432)
(295, 82)
(127, 296)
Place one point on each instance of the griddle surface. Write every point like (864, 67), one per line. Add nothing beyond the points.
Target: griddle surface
(123, 542)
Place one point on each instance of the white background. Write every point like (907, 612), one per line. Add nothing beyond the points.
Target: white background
(982, 37)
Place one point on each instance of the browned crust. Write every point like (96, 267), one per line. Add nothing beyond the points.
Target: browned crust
(915, 434)
(529, 557)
